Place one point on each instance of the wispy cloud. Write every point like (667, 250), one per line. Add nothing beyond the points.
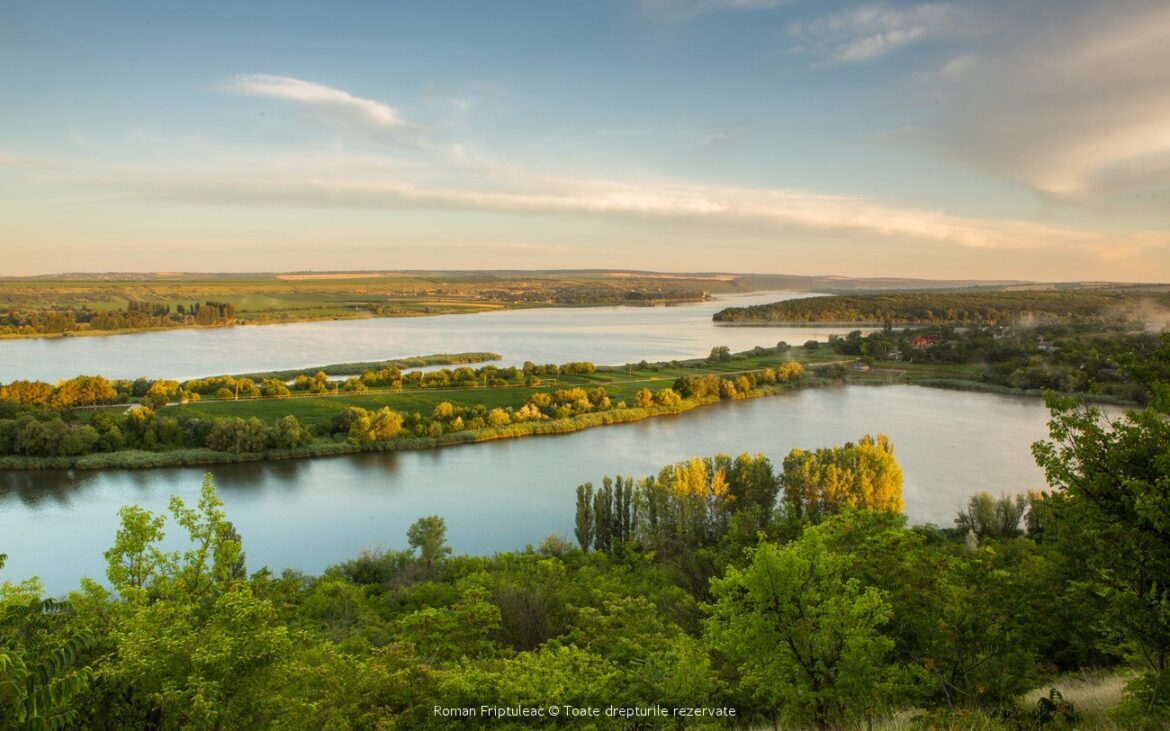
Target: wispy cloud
(1075, 105)
(869, 32)
(8, 160)
(335, 102)
(668, 202)
(680, 10)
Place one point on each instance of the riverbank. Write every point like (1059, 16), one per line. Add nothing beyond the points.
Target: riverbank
(142, 459)
(317, 411)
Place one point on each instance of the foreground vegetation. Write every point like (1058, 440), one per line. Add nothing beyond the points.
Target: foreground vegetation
(719, 593)
(1030, 307)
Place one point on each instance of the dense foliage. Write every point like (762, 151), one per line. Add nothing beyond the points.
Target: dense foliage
(1066, 358)
(138, 315)
(967, 308)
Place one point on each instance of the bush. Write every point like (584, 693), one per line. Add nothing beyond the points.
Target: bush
(668, 397)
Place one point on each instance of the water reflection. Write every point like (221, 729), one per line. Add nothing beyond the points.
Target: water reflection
(502, 495)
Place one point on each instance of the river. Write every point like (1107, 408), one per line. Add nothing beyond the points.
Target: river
(502, 495)
(603, 335)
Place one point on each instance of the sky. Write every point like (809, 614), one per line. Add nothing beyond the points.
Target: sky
(961, 139)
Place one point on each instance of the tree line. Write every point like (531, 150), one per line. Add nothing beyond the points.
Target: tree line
(1085, 359)
(138, 315)
(1029, 307)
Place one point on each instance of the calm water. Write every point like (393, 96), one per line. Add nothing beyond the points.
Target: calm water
(501, 495)
(607, 335)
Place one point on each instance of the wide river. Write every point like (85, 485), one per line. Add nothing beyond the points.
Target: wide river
(494, 496)
(604, 335)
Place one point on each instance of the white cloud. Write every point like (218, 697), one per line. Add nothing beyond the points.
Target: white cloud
(1075, 104)
(336, 102)
(867, 32)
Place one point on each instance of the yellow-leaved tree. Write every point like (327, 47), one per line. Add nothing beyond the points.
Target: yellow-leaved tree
(864, 475)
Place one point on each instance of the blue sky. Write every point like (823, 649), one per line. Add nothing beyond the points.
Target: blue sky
(951, 139)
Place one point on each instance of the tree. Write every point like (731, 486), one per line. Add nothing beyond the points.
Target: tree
(366, 427)
(288, 433)
(498, 417)
(1111, 507)
(804, 637)
(989, 517)
(720, 354)
(428, 536)
(585, 519)
(194, 644)
(274, 388)
(238, 435)
(863, 475)
(668, 397)
(789, 372)
(40, 672)
(643, 399)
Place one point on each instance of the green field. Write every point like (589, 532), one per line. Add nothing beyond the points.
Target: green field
(620, 383)
(38, 307)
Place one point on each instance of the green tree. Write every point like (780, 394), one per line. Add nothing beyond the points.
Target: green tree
(1111, 508)
(194, 644)
(804, 638)
(41, 675)
(585, 519)
(990, 517)
(428, 536)
(289, 433)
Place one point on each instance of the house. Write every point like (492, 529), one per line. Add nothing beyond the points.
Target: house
(859, 366)
(922, 341)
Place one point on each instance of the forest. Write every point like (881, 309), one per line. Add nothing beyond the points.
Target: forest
(1016, 307)
(722, 592)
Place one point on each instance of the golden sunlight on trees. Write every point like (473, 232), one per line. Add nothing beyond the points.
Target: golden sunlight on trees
(863, 475)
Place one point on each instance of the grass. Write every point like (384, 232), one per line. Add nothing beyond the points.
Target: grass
(1091, 693)
(318, 409)
(322, 447)
(621, 383)
(356, 369)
